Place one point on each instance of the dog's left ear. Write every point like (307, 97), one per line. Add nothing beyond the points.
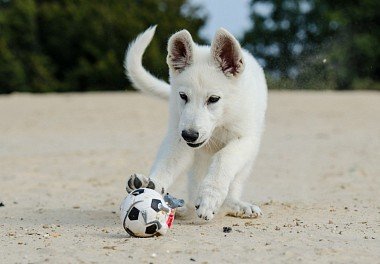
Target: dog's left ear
(227, 54)
(180, 51)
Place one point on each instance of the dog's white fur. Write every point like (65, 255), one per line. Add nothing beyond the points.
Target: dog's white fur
(231, 127)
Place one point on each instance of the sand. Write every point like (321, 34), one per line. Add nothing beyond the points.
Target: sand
(64, 160)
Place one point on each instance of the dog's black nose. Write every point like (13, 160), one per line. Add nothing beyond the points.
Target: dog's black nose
(190, 135)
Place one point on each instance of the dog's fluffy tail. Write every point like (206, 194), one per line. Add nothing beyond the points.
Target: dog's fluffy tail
(137, 74)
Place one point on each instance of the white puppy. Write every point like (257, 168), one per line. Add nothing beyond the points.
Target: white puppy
(218, 98)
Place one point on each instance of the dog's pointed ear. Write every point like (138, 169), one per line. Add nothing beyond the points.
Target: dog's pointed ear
(180, 51)
(227, 54)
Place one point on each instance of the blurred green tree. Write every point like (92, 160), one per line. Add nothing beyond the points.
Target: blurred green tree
(12, 75)
(316, 44)
(21, 58)
(67, 45)
(355, 52)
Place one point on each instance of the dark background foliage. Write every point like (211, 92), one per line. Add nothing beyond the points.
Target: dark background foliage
(317, 44)
(79, 45)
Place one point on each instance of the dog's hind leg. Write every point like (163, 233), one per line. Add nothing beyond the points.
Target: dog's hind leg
(233, 205)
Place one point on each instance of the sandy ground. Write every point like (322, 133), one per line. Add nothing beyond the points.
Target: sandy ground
(64, 160)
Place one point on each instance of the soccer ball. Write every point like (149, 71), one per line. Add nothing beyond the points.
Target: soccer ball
(144, 213)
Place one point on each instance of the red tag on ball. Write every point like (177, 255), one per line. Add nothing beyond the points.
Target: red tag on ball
(170, 220)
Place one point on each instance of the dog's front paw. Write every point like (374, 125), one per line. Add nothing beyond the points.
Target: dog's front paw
(242, 209)
(137, 181)
(208, 203)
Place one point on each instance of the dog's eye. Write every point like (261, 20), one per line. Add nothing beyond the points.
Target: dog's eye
(213, 99)
(183, 97)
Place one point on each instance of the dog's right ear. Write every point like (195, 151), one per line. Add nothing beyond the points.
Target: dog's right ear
(227, 53)
(180, 51)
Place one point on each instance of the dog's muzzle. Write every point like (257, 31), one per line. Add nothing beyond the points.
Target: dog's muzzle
(195, 145)
(190, 135)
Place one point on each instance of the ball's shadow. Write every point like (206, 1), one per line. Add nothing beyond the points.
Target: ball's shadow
(64, 217)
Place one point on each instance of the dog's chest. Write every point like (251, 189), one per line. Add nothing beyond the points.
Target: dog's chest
(219, 139)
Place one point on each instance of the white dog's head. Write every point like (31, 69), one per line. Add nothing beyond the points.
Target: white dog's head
(202, 78)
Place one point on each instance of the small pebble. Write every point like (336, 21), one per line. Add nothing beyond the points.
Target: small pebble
(227, 229)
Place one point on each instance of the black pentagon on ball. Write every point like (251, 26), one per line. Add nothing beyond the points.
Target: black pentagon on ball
(154, 204)
(134, 214)
(151, 229)
(138, 192)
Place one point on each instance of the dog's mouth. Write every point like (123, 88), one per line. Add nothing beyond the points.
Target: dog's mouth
(196, 144)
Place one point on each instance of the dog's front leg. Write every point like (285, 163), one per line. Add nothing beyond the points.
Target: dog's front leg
(173, 159)
(224, 166)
